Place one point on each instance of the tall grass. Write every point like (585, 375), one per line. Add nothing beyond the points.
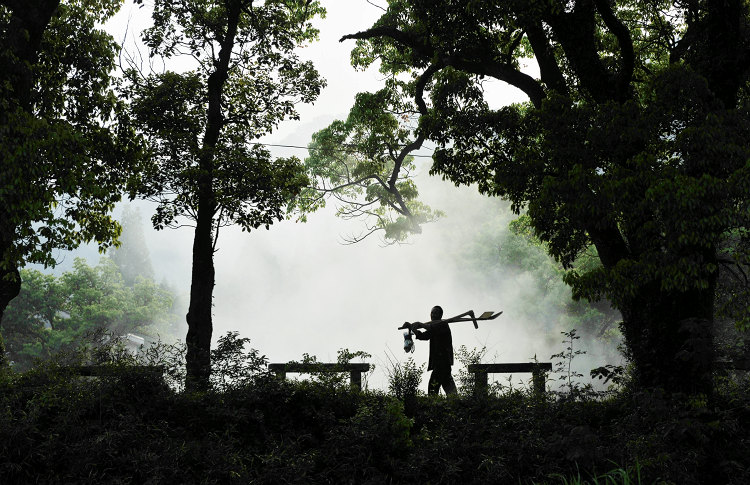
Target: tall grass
(616, 476)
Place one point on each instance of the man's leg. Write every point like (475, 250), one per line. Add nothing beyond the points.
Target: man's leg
(441, 376)
(433, 386)
(449, 385)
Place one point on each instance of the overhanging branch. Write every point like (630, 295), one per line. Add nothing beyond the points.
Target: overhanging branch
(485, 66)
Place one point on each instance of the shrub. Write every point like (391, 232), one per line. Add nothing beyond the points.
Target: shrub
(232, 366)
(404, 378)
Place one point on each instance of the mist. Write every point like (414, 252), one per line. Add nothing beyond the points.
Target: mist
(297, 288)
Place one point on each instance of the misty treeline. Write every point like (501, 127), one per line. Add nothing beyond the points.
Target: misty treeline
(57, 314)
(629, 160)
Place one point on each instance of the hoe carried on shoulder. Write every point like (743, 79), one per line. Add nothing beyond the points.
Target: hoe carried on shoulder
(410, 326)
(457, 318)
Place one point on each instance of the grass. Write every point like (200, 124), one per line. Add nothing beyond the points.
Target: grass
(616, 476)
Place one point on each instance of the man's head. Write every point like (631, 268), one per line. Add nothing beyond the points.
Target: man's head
(436, 313)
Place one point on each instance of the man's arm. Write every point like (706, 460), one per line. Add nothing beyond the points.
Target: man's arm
(416, 325)
(422, 331)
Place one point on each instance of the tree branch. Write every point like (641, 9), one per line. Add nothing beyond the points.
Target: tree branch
(500, 71)
(548, 67)
(576, 33)
(481, 66)
(626, 47)
(353, 182)
(405, 38)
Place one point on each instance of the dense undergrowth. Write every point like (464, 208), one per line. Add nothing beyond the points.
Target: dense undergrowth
(131, 426)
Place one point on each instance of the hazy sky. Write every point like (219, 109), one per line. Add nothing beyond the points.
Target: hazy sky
(296, 289)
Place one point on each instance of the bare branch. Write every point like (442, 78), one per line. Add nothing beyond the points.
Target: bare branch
(218, 225)
(377, 6)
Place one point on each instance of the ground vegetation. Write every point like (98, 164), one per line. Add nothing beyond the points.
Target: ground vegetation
(131, 425)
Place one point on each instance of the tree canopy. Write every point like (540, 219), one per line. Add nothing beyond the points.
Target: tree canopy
(65, 148)
(200, 126)
(57, 313)
(365, 164)
(633, 141)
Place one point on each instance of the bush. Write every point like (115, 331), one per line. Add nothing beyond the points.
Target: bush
(232, 366)
(404, 379)
(467, 380)
(130, 426)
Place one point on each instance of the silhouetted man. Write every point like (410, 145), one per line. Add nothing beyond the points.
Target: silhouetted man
(438, 333)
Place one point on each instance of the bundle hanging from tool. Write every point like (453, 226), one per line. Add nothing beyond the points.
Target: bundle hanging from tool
(408, 342)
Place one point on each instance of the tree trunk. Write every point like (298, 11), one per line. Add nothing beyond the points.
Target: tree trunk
(29, 20)
(22, 39)
(668, 334)
(669, 337)
(10, 286)
(200, 325)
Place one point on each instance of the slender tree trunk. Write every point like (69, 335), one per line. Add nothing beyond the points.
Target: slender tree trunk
(200, 324)
(199, 320)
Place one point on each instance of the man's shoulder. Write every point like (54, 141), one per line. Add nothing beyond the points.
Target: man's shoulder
(439, 326)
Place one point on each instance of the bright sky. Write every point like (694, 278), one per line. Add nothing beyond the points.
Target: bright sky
(296, 289)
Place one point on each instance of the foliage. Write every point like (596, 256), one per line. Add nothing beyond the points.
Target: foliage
(466, 380)
(375, 438)
(128, 426)
(67, 146)
(610, 373)
(364, 163)
(501, 251)
(616, 476)
(522, 249)
(53, 314)
(170, 357)
(231, 365)
(200, 126)
(251, 188)
(632, 141)
(339, 380)
(261, 82)
(404, 379)
(564, 366)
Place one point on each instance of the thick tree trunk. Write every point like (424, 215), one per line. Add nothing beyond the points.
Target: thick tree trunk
(21, 40)
(669, 337)
(668, 334)
(10, 286)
